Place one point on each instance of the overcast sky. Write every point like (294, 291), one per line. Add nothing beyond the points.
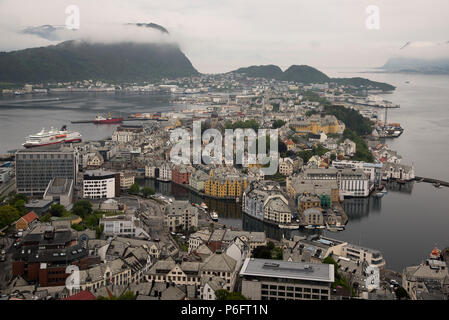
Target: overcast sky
(221, 35)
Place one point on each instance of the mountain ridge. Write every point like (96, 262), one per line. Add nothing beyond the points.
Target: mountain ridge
(307, 75)
(78, 60)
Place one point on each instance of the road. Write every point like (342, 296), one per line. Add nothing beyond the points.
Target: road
(7, 187)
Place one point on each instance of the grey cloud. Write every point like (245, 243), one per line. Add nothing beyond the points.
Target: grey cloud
(219, 36)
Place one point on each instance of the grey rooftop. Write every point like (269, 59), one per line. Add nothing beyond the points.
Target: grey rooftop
(289, 270)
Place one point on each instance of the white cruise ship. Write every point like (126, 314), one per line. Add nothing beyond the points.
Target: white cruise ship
(52, 136)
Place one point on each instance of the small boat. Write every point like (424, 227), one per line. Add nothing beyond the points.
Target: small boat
(378, 194)
(196, 205)
(213, 216)
(437, 185)
(314, 226)
(291, 226)
(203, 205)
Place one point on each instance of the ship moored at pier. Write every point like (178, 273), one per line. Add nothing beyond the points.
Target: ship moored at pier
(52, 136)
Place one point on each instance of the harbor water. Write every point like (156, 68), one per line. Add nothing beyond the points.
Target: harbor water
(405, 224)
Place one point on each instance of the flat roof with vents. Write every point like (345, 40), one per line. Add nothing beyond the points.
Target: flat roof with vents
(287, 269)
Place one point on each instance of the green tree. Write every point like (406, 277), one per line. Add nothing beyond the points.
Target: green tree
(278, 253)
(401, 293)
(339, 279)
(57, 210)
(319, 150)
(242, 124)
(277, 124)
(46, 217)
(14, 197)
(20, 206)
(352, 119)
(236, 296)
(8, 214)
(362, 151)
(305, 155)
(91, 221)
(99, 231)
(134, 189)
(82, 208)
(311, 112)
(223, 294)
(78, 227)
(147, 191)
(262, 252)
(128, 295)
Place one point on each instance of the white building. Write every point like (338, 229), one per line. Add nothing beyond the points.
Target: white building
(158, 169)
(198, 238)
(349, 147)
(397, 171)
(181, 214)
(165, 171)
(123, 225)
(99, 184)
(351, 182)
(286, 166)
(266, 205)
(372, 170)
(209, 285)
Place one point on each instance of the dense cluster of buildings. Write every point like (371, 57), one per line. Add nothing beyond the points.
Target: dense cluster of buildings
(190, 256)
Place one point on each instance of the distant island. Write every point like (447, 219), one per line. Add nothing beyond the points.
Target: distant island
(417, 65)
(307, 75)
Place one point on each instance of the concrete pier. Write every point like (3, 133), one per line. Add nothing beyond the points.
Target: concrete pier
(431, 180)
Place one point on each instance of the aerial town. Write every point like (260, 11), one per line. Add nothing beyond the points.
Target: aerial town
(82, 219)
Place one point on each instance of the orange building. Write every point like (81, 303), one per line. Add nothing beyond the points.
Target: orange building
(24, 222)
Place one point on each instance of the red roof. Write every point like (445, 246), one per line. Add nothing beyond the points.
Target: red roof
(30, 216)
(214, 245)
(82, 295)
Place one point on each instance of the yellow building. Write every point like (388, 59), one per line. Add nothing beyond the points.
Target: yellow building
(316, 123)
(223, 186)
(257, 165)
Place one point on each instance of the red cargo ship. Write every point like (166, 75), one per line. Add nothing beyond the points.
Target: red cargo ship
(109, 120)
